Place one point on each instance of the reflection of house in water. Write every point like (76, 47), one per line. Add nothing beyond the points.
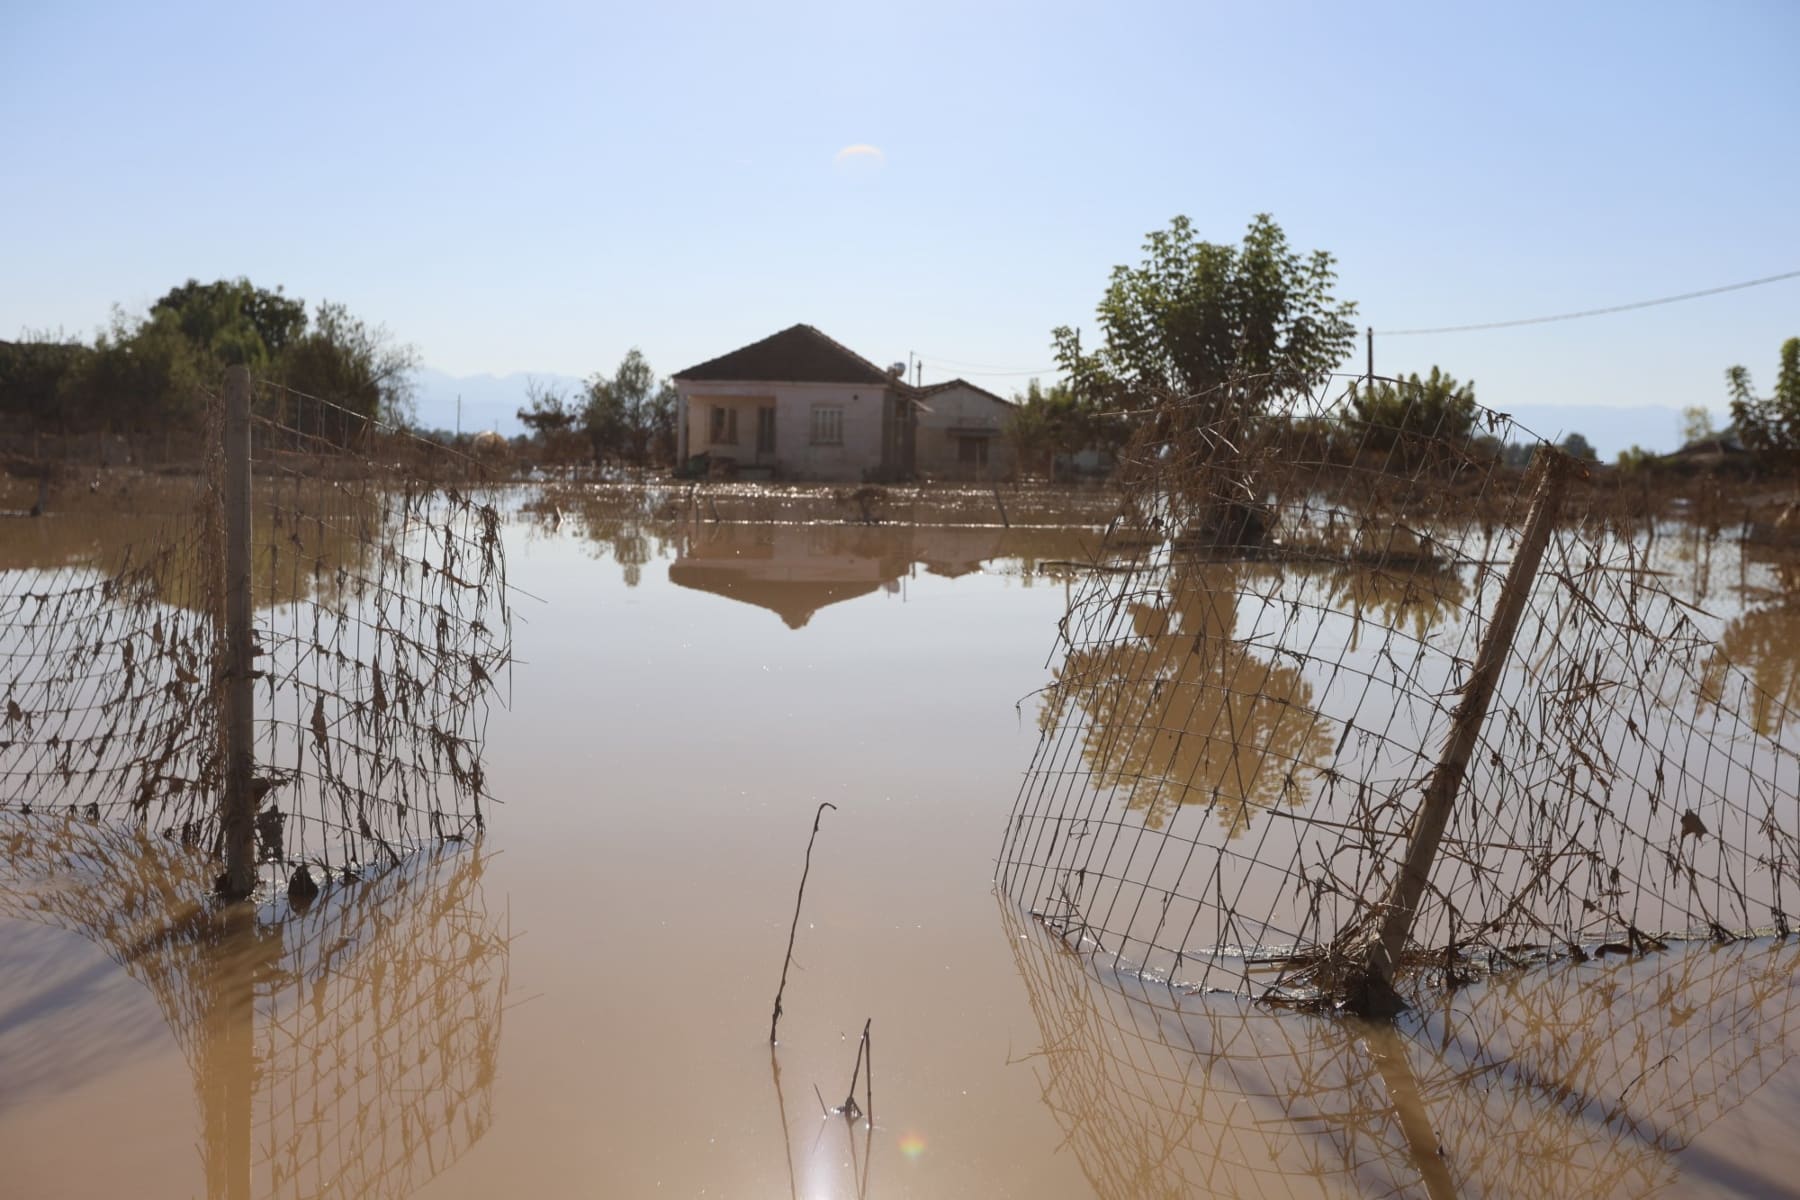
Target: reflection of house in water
(796, 570)
(791, 570)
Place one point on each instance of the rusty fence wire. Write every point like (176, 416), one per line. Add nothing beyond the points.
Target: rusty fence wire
(1256, 684)
(382, 636)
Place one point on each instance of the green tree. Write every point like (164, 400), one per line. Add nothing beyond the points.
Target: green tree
(32, 371)
(1436, 407)
(141, 375)
(347, 361)
(1052, 422)
(1696, 425)
(1197, 315)
(151, 371)
(1577, 447)
(1769, 424)
(555, 422)
(235, 321)
(630, 415)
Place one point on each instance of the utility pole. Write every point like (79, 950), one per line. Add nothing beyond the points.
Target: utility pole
(459, 414)
(1370, 335)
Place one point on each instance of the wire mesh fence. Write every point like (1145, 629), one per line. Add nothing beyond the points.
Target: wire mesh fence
(384, 627)
(350, 1049)
(1265, 674)
(380, 632)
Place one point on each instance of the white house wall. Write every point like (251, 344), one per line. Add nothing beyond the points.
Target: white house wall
(966, 409)
(795, 456)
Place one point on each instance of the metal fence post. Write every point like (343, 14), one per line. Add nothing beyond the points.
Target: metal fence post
(237, 807)
(1372, 991)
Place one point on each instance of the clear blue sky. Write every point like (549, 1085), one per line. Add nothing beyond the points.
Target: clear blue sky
(539, 187)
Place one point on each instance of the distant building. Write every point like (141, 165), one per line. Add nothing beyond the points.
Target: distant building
(964, 432)
(797, 405)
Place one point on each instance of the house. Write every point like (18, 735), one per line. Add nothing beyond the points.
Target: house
(963, 432)
(797, 405)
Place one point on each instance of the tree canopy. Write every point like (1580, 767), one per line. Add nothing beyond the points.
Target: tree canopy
(150, 371)
(1770, 424)
(628, 416)
(1436, 406)
(1196, 315)
(1055, 421)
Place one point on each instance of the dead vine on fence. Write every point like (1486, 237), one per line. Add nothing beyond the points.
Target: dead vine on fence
(381, 618)
(1249, 705)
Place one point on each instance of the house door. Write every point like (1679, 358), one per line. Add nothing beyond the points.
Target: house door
(765, 431)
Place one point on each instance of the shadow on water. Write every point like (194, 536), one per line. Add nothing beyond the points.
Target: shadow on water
(1590, 1079)
(348, 1047)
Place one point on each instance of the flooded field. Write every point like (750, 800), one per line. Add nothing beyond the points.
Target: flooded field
(577, 1003)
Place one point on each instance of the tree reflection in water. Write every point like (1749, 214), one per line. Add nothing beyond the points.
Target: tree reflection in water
(1765, 641)
(1417, 601)
(1183, 712)
(346, 1049)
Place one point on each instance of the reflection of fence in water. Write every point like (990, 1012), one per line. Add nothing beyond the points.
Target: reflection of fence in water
(1251, 700)
(376, 566)
(350, 1049)
(1564, 1080)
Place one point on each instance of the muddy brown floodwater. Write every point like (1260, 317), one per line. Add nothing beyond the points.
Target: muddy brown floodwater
(579, 1005)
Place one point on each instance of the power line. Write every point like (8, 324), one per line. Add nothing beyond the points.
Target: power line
(1595, 312)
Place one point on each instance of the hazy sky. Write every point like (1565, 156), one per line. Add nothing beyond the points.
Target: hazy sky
(538, 187)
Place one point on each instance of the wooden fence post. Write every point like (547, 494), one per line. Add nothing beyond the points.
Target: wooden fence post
(1371, 990)
(237, 806)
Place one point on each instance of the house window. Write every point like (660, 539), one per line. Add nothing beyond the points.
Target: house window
(765, 430)
(827, 426)
(724, 426)
(972, 451)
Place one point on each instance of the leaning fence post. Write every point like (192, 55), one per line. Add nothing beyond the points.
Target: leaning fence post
(1372, 990)
(237, 805)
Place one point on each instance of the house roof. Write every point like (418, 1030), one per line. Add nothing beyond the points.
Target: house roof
(798, 354)
(933, 388)
(793, 600)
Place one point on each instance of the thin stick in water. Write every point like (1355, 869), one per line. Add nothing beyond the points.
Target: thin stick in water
(799, 896)
(863, 1046)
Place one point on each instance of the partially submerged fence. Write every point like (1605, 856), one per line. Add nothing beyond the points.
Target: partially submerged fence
(1344, 698)
(289, 669)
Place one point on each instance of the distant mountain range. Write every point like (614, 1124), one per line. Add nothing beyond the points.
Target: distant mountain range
(493, 401)
(488, 401)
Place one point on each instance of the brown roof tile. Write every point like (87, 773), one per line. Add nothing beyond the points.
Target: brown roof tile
(798, 354)
(933, 388)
